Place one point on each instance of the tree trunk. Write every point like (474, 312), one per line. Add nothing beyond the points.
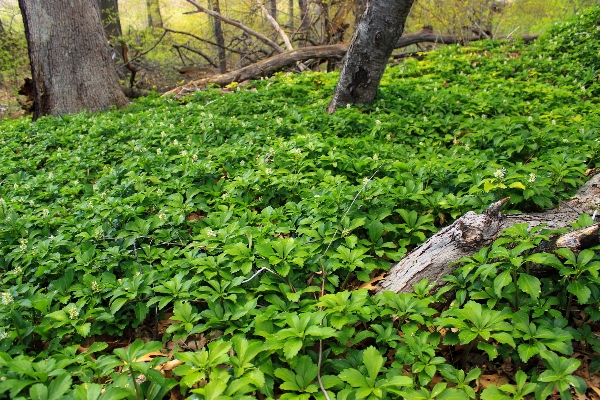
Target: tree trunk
(273, 8)
(110, 17)
(304, 22)
(70, 60)
(154, 15)
(219, 38)
(372, 44)
(471, 232)
(291, 14)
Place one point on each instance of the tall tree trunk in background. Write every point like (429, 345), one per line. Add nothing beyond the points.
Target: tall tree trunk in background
(154, 15)
(379, 29)
(304, 22)
(291, 13)
(70, 59)
(273, 8)
(110, 17)
(219, 37)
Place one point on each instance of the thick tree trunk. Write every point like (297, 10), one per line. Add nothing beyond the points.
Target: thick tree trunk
(219, 37)
(110, 17)
(154, 15)
(71, 65)
(372, 44)
(471, 232)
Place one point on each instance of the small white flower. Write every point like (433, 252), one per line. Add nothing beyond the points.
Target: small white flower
(95, 286)
(210, 233)
(530, 118)
(268, 171)
(532, 178)
(163, 134)
(499, 173)
(90, 205)
(7, 298)
(159, 151)
(375, 156)
(159, 191)
(345, 232)
(183, 153)
(73, 312)
(31, 203)
(388, 137)
(377, 122)
(348, 106)
(162, 216)
(365, 180)
(17, 270)
(175, 142)
(194, 157)
(565, 140)
(553, 122)
(467, 147)
(4, 335)
(225, 195)
(242, 163)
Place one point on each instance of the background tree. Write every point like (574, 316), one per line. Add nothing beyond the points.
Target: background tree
(374, 39)
(154, 14)
(110, 17)
(70, 60)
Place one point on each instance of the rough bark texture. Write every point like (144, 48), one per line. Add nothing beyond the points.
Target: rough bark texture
(70, 59)
(372, 44)
(270, 65)
(472, 231)
(110, 17)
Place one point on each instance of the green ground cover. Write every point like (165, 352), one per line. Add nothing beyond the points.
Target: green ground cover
(147, 225)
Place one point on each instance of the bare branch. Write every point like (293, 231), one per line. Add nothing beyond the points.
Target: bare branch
(239, 25)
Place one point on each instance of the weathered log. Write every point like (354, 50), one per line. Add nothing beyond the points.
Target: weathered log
(268, 66)
(471, 232)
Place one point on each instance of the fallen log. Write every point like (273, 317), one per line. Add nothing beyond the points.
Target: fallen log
(268, 66)
(471, 232)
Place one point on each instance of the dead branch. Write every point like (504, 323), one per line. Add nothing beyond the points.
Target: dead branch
(275, 63)
(471, 232)
(239, 25)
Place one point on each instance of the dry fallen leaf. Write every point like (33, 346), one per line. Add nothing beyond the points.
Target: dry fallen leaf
(495, 379)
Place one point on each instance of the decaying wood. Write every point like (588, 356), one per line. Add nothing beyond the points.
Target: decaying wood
(268, 66)
(472, 231)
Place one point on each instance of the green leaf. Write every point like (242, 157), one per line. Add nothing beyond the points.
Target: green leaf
(373, 361)
(38, 392)
(353, 377)
(292, 347)
(580, 290)
(59, 386)
(502, 280)
(529, 284)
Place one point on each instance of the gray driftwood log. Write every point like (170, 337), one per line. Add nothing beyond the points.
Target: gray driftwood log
(471, 232)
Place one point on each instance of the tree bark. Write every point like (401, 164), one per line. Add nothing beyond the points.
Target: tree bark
(70, 59)
(272, 64)
(471, 232)
(304, 21)
(110, 17)
(154, 15)
(372, 44)
(219, 37)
